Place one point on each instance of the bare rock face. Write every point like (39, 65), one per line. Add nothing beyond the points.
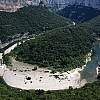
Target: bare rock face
(90, 3)
(10, 5)
(13, 5)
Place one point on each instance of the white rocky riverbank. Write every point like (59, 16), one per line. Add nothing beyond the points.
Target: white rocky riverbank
(22, 76)
(43, 80)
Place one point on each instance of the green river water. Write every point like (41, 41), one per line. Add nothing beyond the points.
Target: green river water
(89, 72)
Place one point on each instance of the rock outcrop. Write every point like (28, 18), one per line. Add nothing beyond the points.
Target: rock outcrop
(13, 5)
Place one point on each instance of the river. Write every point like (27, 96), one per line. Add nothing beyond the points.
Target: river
(89, 72)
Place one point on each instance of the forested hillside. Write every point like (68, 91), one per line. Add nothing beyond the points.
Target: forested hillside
(32, 19)
(88, 92)
(93, 26)
(61, 48)
(79, 13)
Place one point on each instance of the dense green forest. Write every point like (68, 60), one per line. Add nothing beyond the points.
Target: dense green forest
(79, 13)
(93, 26)
(61, 48)
(32, 19)
(88, 92)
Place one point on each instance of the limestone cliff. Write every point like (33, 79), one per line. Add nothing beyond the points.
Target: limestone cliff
(13, 5)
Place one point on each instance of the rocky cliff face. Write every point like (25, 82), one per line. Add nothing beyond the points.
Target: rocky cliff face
(9, 5)
(90, 3)
(13, 5)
